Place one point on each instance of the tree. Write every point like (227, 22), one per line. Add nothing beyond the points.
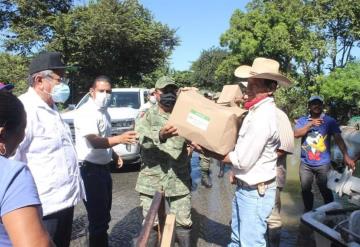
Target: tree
(30, 23)
(296, 33)
(13, 69)
(341, 89)
(119, 39)
(204, 69)
(338, 21)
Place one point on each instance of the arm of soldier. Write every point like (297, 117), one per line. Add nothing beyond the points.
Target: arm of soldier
(166, 132)
(342, 146)
(145, 131)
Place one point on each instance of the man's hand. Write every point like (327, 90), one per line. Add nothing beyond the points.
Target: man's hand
(349, 162)
(315, 122)
(196, 147)
(167, 131)
(226, 159)
(232, 178)
(128, 137)
(120, 162)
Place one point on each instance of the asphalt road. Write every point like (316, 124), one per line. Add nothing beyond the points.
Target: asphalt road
(211, 211)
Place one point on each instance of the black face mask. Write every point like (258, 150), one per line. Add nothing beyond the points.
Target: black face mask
(168, 99)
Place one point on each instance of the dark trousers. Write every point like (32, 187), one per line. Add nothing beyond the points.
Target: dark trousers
(98, 187)
(307, 174)
(59, 226)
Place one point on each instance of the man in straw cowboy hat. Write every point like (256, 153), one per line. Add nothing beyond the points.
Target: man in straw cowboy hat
(254, 157)
(286, 135)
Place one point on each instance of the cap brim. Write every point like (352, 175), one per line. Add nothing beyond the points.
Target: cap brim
(7, 87)
(168, 84)
(59, 67)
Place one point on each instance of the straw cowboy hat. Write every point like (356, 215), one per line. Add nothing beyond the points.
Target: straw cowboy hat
(263, 68)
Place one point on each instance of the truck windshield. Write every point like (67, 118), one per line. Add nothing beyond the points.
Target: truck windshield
(125, 99)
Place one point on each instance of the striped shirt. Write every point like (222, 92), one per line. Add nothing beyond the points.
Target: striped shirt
(286, 135)
(286, 132)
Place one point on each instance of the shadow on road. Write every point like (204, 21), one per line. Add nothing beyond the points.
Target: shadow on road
(127, 229)
(210, 231)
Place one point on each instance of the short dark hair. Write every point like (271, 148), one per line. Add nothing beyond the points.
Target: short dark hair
(101, 78)
(270, 83)
(11, 111)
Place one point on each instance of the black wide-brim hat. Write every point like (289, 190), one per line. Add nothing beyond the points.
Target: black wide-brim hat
(46, 61)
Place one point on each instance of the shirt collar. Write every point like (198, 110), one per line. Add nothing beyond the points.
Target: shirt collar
(91, 101)
(267, 100)
(38, 101)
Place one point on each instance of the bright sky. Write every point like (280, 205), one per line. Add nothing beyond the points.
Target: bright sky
(199, 24)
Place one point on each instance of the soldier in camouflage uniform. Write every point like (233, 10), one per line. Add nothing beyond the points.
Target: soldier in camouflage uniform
(165, 159)
(205, 161)
(205, 171)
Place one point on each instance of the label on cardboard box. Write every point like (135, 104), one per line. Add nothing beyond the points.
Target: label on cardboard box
(198, 119)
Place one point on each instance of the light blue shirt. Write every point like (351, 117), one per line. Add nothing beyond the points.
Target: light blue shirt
(17, 190)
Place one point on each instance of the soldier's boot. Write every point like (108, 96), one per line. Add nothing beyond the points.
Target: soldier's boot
(205, 179)
(183, 236)
(153, 239)
(221, 170)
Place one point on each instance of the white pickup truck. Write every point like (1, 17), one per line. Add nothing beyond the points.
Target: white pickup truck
(123, 109)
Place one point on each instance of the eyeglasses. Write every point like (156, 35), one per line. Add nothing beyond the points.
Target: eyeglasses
(60, 79)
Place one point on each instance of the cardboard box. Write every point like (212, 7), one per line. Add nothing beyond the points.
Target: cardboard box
(228, 95)
(201, 120)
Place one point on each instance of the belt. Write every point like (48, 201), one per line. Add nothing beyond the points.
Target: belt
(90, 164)
(265, 185)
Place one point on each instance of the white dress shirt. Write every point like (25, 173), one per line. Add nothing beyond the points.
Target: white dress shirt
(91, 120)
(48, 151)
(254, 157)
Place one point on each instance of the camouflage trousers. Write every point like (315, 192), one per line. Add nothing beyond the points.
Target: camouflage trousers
(178, 205)
(204, 164)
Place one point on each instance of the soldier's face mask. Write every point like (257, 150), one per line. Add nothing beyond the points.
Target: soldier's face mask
(168, 97)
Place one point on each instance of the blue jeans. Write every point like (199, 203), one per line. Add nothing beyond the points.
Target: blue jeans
(249, 214)
(98, 187)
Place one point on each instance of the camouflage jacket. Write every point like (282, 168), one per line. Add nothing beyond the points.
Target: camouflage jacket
(165, 165)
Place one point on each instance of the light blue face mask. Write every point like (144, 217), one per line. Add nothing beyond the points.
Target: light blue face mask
(60, 93)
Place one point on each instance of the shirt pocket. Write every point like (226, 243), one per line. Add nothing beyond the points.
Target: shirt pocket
(45, 138)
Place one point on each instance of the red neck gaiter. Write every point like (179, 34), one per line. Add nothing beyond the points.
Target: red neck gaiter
(249, 104)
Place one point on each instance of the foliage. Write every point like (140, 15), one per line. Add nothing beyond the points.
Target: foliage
(30, 23)
(338, 22)
(120, 39)
(13, 69)
(204, 68)
(298, 34)
(183, 78)
(341, 88)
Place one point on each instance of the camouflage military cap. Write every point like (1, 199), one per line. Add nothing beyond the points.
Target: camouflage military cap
(164, 81)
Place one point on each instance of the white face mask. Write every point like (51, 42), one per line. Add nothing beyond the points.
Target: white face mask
(152, 99)
(102, 100)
